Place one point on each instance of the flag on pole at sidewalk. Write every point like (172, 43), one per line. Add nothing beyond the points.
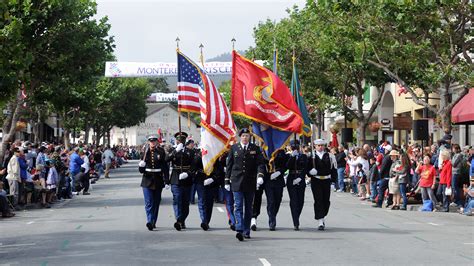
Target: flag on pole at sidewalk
(217, 125)
(298, 97)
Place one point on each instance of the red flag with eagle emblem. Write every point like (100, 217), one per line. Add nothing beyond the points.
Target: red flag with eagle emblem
(261, 96)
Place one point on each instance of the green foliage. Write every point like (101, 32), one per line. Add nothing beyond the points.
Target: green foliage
(159, 84)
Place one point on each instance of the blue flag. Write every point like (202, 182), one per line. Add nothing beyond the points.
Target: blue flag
(298, 96)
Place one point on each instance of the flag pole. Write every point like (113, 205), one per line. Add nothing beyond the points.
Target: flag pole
(293, 58)
(179, 112)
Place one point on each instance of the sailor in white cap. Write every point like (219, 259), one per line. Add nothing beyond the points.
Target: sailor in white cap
(321, 165)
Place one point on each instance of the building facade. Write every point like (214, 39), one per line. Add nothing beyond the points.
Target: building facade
(160, 116)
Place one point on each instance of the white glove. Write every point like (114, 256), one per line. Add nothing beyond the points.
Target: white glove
(259, 181)
(294, 153)
(141, 164)
(296, 181)
(275, 175)
(167, 187)
(308, 181)
(183, 176)
(313, 172)
(208, 181)
(180, 147)
(227, 187)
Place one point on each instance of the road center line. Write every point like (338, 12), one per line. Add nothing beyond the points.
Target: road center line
(17, 245)
(264, 262)
(421, 239)
(220, 209)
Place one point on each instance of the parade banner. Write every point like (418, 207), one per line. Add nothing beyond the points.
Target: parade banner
(139, 69)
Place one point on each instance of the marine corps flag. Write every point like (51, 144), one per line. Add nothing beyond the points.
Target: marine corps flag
(261, 96)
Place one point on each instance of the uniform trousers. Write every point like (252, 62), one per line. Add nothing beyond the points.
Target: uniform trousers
(243, 211)
(152, 203)
(229, 206)
(274, 196)
(257, 203)
(181, 196)
(321, 189)
(296, 193)
(206, 196)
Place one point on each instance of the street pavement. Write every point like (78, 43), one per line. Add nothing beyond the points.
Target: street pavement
(108, 228)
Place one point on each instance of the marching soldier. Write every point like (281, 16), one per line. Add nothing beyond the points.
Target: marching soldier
(155, 176)
(297, 164)
(322, 165)
(274, 187)
(257, 204)
(181, 180)
(245, 167)
(206, 187)
(228, 199)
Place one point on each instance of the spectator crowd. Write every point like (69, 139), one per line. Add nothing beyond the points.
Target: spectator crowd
(40, 174)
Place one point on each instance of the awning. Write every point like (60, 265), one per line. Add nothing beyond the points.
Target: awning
(463, 111)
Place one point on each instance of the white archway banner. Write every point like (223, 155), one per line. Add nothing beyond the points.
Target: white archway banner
(140, 69)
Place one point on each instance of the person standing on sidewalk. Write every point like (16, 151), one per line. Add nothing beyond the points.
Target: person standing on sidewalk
(13, 176)
(387, 161)
(341, 167)
(155, 177)
(107, 157)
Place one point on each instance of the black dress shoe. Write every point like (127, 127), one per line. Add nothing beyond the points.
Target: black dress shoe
(154, 226)
(86, 193)
(177, 226)
(239, 236)
(272, 228)
(253, 227)
(183, 226)
(296, 228)
(321, 228)
(247, 236)
(149, 226)
(232, 227)
(204, 226)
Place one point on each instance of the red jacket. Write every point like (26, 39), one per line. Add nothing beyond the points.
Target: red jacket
(446, 173)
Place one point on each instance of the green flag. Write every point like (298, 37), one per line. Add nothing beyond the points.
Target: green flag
(298, 96)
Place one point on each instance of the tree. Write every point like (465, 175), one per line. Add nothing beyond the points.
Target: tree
(56, 49)
(331, 55)
(117, 102)
(427, 46)
(159, 84)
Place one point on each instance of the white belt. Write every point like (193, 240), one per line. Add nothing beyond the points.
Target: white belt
(153, 170)
(323, 177)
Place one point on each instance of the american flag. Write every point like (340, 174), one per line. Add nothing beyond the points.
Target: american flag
(190, 85)
(197, 93)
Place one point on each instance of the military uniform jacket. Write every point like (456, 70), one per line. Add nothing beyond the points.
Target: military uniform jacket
(156, 171)
(181, 163)
(324, 166)
(279, 164)
(297, 167)
(197, 169)
(242, 167)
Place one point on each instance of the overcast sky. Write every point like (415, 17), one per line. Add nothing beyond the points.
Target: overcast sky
(145, 30)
